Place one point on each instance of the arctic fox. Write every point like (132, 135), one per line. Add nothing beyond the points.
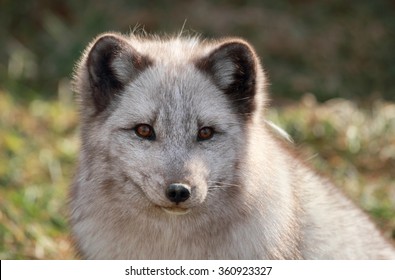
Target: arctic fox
(178, 162)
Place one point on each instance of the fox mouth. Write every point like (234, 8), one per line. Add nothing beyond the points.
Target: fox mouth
(176, 210)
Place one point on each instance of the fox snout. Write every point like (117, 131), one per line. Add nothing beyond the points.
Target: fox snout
(178, 192)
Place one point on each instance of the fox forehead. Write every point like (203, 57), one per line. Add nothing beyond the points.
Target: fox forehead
(173, 94)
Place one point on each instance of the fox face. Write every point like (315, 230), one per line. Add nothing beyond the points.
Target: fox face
(163, 132)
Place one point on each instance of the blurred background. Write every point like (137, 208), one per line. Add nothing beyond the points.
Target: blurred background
(331, 67)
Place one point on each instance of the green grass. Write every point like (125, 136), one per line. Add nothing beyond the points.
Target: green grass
(38, 148)
(39, 143)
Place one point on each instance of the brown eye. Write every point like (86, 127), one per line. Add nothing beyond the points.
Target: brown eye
(145, 131)
(205, 133)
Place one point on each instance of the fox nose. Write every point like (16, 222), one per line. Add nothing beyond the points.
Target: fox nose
(178, 192)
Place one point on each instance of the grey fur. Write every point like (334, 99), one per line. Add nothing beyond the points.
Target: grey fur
(251, 198)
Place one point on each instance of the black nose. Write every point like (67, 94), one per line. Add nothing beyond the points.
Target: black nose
(178, 192)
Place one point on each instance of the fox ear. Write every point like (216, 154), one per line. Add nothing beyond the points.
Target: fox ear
(233, 68)
(112, 63)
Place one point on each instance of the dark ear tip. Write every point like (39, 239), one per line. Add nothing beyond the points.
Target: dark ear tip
(237, 44)
(106, 43)
(109, 36)
(236, 49)
(240, 49)
(108, 39)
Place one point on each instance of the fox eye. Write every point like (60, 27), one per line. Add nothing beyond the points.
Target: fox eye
(205, 133)
(145, 131)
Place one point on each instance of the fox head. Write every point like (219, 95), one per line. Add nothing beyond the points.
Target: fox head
(165, 122)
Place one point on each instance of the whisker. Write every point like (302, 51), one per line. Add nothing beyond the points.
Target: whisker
(223, 184)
